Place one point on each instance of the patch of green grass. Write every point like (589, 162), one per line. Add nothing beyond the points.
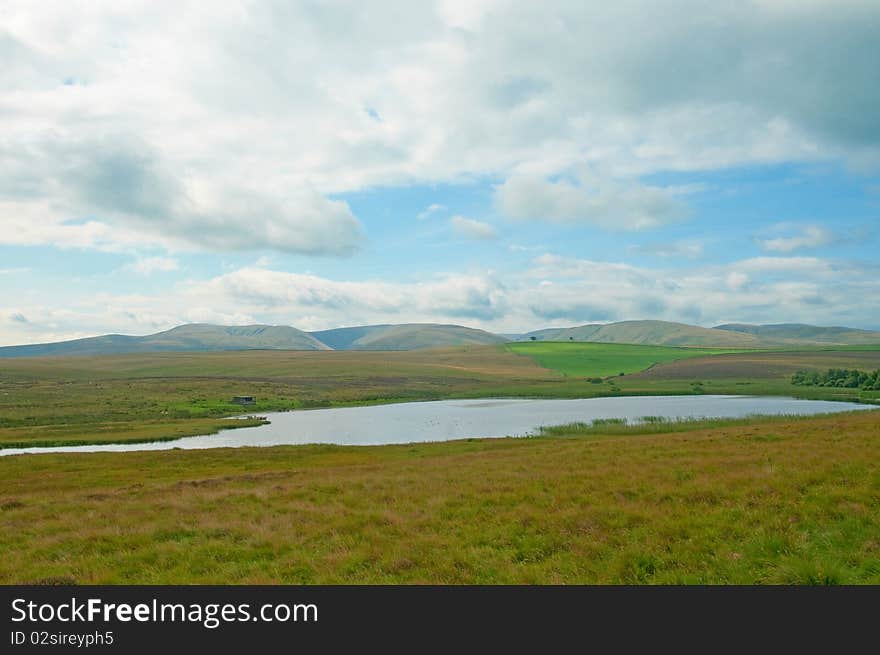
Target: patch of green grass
(604, 359)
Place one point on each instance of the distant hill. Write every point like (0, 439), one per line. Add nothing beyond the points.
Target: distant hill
(732, 335)
(799, 332)
(204, 337)
(193, 337)
(656, 333)
(343, 338)
(410, 336)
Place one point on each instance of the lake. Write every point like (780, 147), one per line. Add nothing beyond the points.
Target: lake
(444, 420)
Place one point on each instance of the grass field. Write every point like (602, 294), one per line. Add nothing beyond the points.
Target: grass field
(118, 398)
(781, 501)
(56, 435)
(763, 365)
(604, 359)
(125, 397)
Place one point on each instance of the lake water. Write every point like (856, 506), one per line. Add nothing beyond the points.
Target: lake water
(445, 420)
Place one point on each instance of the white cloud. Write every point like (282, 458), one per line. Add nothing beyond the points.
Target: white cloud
(150, 265)
(465, 14)
(430, 210)
(760, 290)
(452, 295)
(607, 203)
(552, 291)
(811, 266)
(807, 236)
(137, 201)
(685, 248)
(472, 229)
(231, 127)
(737, 280)
(557, 266)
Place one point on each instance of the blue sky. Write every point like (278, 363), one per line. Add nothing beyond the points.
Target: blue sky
(497, 164)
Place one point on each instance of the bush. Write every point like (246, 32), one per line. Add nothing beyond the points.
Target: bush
(839, 377)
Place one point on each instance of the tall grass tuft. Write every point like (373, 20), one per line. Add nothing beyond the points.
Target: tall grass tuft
(657, 424)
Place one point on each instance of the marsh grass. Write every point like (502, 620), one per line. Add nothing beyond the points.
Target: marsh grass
(659, 424)
(769, 501)
(56, 436)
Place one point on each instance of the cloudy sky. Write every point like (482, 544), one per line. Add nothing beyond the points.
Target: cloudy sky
(505, 165)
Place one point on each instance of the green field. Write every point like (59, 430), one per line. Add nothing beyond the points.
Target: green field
(604, 359)
(764, 501)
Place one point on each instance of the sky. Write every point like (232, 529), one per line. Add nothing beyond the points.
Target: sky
(504, 165)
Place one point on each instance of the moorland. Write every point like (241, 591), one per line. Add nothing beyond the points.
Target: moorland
(46, 401)
(771, 501)
(762, 500)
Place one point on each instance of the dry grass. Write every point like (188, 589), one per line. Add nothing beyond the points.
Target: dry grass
(53, 436)
(769, 502)
(761, 365)
(285, 365)
(53, 400)
(131, 397)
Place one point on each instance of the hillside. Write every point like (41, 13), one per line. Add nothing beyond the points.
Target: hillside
(601, 360)
(413, 336)
(204, 337)
(656, 333)
(184, 338)
(800, 333)
(344, 338)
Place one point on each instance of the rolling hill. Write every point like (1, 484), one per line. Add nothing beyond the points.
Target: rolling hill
(344, 338)
(413, 336)
(798, 332)
(204, 337)
(655, 333)
(184, 338)
(410, 336)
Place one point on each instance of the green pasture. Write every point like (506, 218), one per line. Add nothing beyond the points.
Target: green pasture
(604, 359)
